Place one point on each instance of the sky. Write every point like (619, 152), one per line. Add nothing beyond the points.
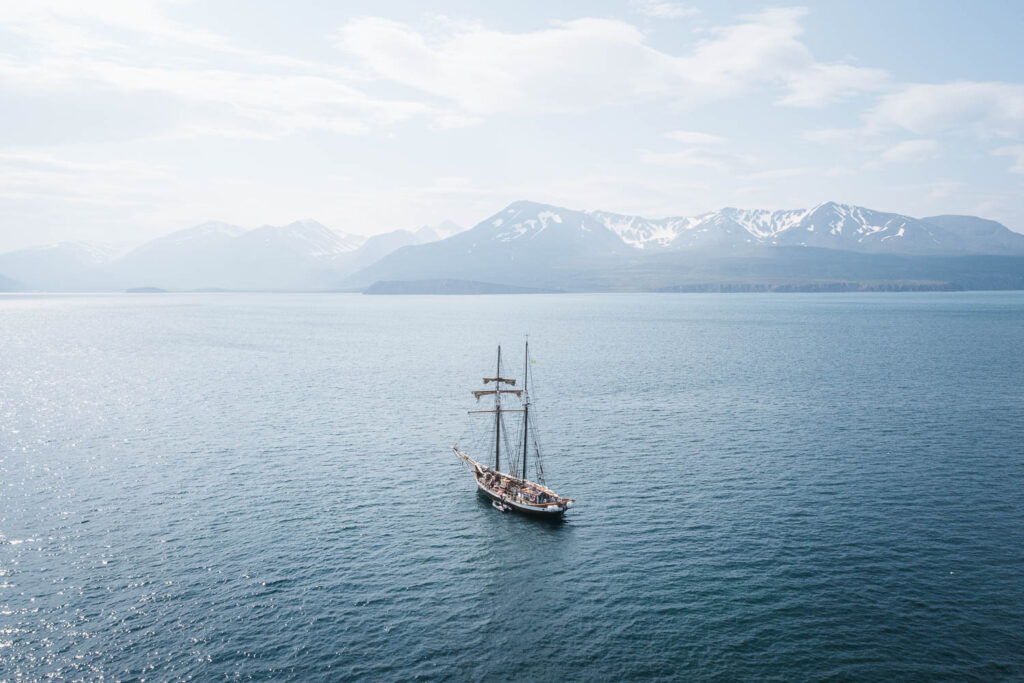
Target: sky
(122, 121)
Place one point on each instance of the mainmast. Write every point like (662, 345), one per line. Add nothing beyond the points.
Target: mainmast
(526, 402)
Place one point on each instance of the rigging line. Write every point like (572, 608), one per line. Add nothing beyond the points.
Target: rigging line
(506, 444)
(516, 460)
(536, 433)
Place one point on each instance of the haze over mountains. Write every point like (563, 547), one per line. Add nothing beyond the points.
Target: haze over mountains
(300, 256)
(530, 245)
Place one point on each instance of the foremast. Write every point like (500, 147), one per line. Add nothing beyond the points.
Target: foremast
(498, 381)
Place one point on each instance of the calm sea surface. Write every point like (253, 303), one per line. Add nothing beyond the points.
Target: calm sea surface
(260, 486)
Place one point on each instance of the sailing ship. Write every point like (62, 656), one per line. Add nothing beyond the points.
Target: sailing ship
(510, 488)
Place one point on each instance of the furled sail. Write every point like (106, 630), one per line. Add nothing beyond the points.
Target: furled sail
(488, 392)
(500, 379)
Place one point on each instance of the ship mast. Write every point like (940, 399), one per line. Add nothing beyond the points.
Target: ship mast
(497, 415)
(526, 402)
(498, 410)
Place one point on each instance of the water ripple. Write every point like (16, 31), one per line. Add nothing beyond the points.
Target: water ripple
(259, 486)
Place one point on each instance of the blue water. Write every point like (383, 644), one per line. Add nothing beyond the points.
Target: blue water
(769, 487)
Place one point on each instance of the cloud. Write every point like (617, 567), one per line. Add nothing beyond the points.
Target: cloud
(42, 190)
(696, 157)
(764, 49)
(1016, 152)
(911, 151)
(944, 188)
(822, 84)
(779, 173)
(987, 109)
(834, 135)
(662, 9)
(860, 139)
(456, 75)
(74, 28)
(982, 110)
(80, 53)
(589, 63)
(694, 138)
(486, 71)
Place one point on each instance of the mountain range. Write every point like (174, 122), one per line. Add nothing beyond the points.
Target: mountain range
(828, 226)
(537, 246)
(301, 256)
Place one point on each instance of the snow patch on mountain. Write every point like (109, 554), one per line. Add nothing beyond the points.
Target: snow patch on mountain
(529, 226)
(828, 225)
(764, 224)
(644, 233)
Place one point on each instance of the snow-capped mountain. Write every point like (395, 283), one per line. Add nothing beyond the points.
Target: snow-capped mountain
(535, 245)
(530, 244)
(562, 231)
(828, 225)
(644, 233)
(527, 241)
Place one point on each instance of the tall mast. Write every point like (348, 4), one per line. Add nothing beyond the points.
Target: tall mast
(526, 402)
(498, 391)
(497, 416)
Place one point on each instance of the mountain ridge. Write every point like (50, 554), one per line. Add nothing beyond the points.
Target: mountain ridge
(529, 244)
(533, 244)
(301, 255)
(829, 225)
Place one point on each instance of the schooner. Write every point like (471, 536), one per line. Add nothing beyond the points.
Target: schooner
(510, 488)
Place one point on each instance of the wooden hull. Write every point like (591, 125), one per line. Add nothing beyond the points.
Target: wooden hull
(549, 512)
(493, 485)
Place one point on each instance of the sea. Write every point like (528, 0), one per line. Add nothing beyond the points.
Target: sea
(241, 486)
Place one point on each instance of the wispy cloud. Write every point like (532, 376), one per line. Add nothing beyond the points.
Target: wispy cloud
(663, 9)
(779, 173)
(1016, 153)
(486, 71)
(691, 137)
(216, 87)
(987, 109)
(944, 188)
(697, 157)
(843, 136)
(822, 84)
(911, 151)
